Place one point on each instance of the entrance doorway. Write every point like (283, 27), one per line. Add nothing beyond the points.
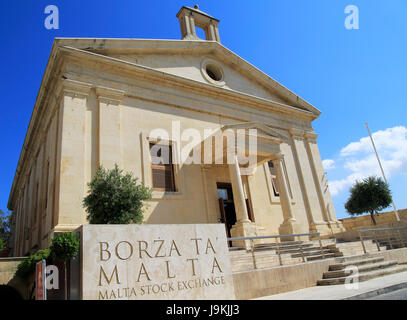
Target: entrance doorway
(226, 206)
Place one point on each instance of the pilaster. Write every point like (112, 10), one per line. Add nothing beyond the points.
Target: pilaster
(309, 194)
(70, 155)
(109, 126)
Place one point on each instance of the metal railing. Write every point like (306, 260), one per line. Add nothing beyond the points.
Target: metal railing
(392, 238)
(278, 245)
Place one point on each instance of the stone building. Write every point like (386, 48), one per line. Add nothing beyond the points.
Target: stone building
(101, 99)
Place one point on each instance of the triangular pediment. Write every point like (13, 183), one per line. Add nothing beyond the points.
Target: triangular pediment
(263, 130)
(188, 58)
(260, 127)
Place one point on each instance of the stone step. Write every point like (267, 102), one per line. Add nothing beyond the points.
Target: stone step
(361, 269)
(268, 251)
(340, 266)
(281, 244)
(394, 244)
(271, 246)
(298, 249)
(234, 249)
(314, 252)
(262, 264)
(320, 256)
(358, 245)
(259, 252)
(357, 257)
(364, 276)
(259, 257)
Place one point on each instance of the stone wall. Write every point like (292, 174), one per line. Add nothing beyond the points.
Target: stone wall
(264, 282)
(382, 219)
(8, 267)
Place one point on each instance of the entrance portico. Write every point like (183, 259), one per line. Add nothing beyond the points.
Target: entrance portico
(243, 149)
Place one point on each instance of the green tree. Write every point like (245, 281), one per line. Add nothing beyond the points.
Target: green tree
(5, 233)
(64, 246)
(115, 198)
(368, 196)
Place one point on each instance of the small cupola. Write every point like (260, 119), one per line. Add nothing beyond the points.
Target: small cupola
(192, 18)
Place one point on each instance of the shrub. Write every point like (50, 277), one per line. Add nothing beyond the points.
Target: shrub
(27, 266)
(64, 246)
(115, 198)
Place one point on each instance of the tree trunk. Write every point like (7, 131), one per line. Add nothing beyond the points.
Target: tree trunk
(372, 216)
(66, 282)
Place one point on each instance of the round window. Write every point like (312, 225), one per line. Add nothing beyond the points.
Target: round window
(214, 72)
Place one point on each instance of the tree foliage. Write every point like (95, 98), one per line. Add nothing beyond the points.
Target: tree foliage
(368, 196)
(115, 198)
(27, 266)
(5, 224)
(64, 246)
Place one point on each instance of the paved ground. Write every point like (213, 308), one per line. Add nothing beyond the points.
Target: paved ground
(394, 295)
(361, 290)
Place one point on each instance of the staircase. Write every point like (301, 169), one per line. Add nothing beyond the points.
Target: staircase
(368, 267)
(356, 248)
(291, 252)
(393, 242)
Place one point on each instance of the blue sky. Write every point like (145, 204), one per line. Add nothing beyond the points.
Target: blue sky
(352, 76)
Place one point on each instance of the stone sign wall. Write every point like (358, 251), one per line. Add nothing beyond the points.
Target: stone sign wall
(130, 262)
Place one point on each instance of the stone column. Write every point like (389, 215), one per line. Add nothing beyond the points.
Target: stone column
(289, 223)
(243, 226)
(238, 193)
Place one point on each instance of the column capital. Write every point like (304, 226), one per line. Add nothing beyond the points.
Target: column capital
(73, 87)
(277, 158)
(109, 95)
(296, 133)
(311, 136)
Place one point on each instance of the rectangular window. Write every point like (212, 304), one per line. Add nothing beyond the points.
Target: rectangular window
(273, 178)
(162, 167)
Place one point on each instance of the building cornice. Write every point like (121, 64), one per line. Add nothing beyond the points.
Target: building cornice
(197, 86)
(157, 46)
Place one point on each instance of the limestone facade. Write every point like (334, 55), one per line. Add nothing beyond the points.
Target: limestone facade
(99, 102)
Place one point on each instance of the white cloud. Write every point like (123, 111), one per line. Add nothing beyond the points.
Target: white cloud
(328, 164)
(359, 160)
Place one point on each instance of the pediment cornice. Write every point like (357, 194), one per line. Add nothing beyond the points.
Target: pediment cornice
(198, 47)
(263, 131)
